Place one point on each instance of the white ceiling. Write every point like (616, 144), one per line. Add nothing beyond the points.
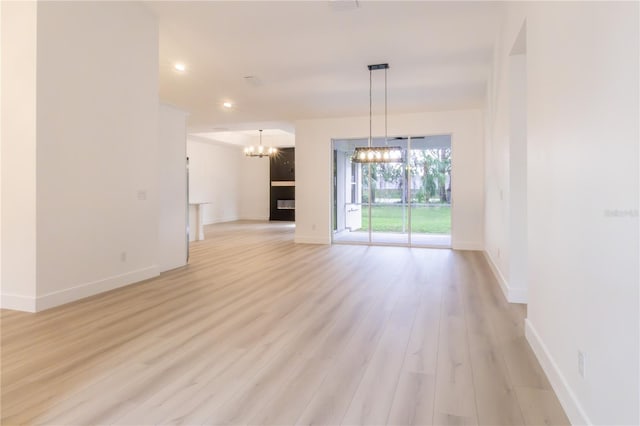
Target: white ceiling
(309, 58)
(270, 137)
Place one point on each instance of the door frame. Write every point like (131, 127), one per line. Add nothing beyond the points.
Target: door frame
(409, 232)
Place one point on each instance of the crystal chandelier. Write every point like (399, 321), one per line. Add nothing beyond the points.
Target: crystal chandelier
(384, 154)
(259, 151)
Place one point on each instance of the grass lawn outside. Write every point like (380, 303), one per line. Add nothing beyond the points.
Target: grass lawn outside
(424, 219)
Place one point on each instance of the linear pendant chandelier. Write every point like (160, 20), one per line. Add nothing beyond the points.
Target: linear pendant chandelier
(384, 154)
(260, 151)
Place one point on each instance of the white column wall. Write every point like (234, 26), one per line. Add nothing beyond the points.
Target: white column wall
(172, 188)
(583, 195)
(18, 136)
(80, 207)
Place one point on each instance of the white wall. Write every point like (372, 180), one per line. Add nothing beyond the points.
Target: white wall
(313, 169)
(19, 22)
(172, 189)
(254, 188)
(583, 191)
(517, 274)
(237, 187)
(81, 190)
(506, 166)
(213, 179)
(0, 156)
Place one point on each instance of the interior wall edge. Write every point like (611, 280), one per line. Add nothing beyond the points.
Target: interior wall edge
(566, 395)
(502, 281)
(16, 302)
(512, 294)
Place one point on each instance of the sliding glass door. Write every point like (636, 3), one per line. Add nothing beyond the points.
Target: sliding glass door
(430, 163)
(350, 194)
(405, 203)
(389, 206)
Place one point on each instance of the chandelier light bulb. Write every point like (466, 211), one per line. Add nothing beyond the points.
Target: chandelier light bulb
(260, 150)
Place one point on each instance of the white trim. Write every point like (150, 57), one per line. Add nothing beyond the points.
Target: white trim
(467, 245)
(222, 220)
(302, 239)
(496, 272)
(18, 303)
(518, 295)
(72, 294)
(255, 218)
(171, 266)
(512, 294)
(567, 397)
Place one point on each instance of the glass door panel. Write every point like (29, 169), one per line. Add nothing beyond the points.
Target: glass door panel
(350, 191)
(389, 200)
(430, 165)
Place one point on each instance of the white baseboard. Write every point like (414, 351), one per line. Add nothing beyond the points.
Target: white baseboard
(566, 396)
(171, 266)
(18, 303)
(512, 294)
(518, 295)
(222, 220)
(305, 239)
(72, 294)
(498, 274)
(467, 245)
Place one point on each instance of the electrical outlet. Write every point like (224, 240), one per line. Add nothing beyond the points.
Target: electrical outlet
(142, 195)
(123, 256)
(581, 364)
(313, 227)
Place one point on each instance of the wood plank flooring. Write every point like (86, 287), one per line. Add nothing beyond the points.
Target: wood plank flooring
(259, 330)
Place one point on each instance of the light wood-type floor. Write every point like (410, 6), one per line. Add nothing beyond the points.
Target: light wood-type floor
(259, 330)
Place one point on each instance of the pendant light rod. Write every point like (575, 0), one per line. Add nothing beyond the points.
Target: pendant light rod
(385, 154)
(370, 105)
(372, 68)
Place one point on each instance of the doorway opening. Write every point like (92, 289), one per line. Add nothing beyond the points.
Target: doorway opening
(406, 203)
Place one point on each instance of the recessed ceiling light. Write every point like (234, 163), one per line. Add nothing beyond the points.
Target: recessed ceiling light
(180, 67)
(227, 104)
